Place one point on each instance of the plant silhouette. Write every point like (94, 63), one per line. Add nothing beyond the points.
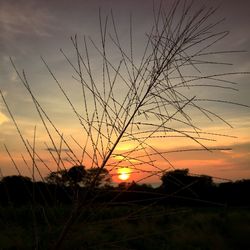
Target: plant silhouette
(137, 101)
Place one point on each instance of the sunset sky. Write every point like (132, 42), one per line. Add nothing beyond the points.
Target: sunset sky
(30, 29)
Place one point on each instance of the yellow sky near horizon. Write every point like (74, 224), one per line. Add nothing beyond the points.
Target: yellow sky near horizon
(3, 118)
(231, 164)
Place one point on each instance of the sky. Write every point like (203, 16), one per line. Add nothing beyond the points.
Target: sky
(30, 29)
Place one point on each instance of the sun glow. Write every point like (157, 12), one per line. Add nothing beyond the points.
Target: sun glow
(124, 173)
(3, 118)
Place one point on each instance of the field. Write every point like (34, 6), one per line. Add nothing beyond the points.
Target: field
(127, 227)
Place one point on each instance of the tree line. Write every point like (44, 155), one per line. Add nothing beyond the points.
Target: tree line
(178, 187)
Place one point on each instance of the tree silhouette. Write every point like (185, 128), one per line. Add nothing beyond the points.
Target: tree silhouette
(97, 177)
(16, 189)
(79, 176)
(76, 175)
(16, 180)
(57, 177)
(179, 181)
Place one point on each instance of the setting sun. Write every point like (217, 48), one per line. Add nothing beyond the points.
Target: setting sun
(124, 173)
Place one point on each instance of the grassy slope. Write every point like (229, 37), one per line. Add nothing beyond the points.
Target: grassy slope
(112, 228)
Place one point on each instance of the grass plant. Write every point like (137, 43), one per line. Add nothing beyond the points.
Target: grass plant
(135, 102)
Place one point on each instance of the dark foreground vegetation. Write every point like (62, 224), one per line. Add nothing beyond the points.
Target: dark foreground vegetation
(184, 212)
(122, 227)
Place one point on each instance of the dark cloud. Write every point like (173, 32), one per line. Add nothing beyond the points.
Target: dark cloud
(54, 150)
(24, 21)
(245, 147)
